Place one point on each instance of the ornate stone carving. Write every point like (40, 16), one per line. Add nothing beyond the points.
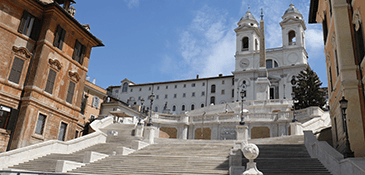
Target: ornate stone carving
(22, 51)
(356, 19)
(250, 151)
(54, 63)
(333, 39)
(74, 76)
(328, 58)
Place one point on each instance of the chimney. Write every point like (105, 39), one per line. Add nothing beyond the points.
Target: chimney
(94, 81)
(197, 76)
(220, 75)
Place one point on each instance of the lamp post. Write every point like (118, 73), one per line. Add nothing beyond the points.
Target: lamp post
(293, 83)
(343, 105)
(140, 112)
(152, 96)
(243, 95)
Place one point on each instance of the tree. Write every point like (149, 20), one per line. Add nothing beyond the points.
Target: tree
(306, 87)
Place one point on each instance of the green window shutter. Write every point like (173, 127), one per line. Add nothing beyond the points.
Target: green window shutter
(23, 21)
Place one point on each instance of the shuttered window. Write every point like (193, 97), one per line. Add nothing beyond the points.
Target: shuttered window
(40, 124)
(79, 52)
(30, 26)
(16, 70)
(70, 92)
(59, 37)
(62, 133)
(50, 81)
(95, 103)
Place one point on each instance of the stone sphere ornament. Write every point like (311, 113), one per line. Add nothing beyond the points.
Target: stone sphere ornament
(250, 151)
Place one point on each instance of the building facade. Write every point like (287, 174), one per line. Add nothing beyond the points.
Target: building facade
(281, 64)
(44, 54)
(343, 35)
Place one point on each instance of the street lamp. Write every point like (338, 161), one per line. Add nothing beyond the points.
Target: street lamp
(343, 105)
(150, 119)
(140, 112)
(293, 96)
(293, 83)
(243, 95)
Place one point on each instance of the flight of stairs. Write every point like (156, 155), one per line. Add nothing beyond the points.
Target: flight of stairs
(168, 156)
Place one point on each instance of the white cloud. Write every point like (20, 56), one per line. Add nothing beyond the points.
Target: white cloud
(132, 3)
(207, 46)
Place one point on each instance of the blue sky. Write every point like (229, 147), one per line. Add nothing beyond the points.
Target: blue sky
(164, 40)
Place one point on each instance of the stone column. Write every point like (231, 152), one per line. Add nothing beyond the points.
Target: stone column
(296, 128)
(185, 132)
(139, 131)
(242, 133)
(149, 134)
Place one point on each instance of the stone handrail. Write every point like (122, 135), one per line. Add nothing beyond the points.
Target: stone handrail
(31, 152)
(331, 158)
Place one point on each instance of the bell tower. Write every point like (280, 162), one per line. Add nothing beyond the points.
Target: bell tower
(293, 28)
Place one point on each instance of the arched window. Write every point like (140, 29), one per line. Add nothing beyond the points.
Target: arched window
(292, 38)
(156, 109)
(183, 108)
(212, 100)
(192, 107)
(174, 108)
(256, 45)
(271, 64)
(212, 88)
(245, 43)
(125, 87)
(202, 105)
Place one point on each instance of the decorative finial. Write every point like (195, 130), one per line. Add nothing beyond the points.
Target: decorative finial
(248, 7)
(262, 13)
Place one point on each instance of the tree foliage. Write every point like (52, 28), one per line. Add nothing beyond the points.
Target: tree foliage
(306, 87)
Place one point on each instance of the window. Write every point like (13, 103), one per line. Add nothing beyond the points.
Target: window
(222, 92)
(62, 132)
(203, 93)
(272, 93)
(184, 85)
(175, 95)
(330, 74)
(271, 64)
(337, 69)
(156, 109)
(212, 100)
(29, 26)
(202, 105)
(184, 95)
(292, 38)
(174, 108)
(70, 92)
(193, 85)
(232, 93)
(165, 96)
(183, 108)
(158, 87)
(330, 4)
(167, 87)
(4, 116)
(222, 81)
(336, 132)
(16, 70)
(139, 98)
(359, 42)
(175, 86)
(50, 81)
(116, 91)
(140, 89)
(203, 84)
(193, 94)
(79, 52)
(95, 103)
(157, 97)
(125, 87)
(76, 134)
(256, 45)
(245, 44)
(232, 81)
(212, 88)
(325, 28)
(40, 124)
(59, 37)
(131, 90)
(192, 107)
(149, 88)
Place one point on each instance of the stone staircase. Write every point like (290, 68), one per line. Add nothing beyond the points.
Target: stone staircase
(168, 156)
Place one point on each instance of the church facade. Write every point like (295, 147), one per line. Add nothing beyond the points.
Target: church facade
(280, 64)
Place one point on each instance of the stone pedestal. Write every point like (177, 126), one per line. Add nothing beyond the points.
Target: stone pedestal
(296, 128)
(139, 131)
(242, 133)
(149, 134)
(262, 85)
(251, 151)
